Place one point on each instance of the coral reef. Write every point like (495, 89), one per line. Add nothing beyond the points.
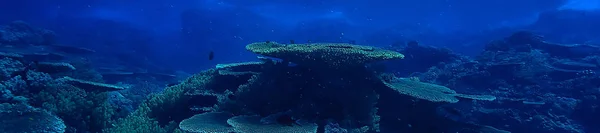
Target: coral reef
(521, 83)
(254, 91)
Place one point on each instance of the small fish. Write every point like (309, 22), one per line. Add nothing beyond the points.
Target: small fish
(292, 42)
(267, 41)
(211, 55)
(352, 42)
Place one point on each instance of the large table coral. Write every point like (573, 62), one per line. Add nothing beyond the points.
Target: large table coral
(324, 54)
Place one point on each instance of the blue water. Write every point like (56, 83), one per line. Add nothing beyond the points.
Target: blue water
(147, 46)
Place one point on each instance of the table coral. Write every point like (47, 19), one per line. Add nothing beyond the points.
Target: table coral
(324, 54)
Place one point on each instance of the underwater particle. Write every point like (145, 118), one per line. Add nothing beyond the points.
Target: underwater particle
(252, 124)
(211, 55)
(212, 122)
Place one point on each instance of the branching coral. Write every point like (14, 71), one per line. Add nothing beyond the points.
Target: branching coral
(8, 67)
(5, 94)
(79, 109)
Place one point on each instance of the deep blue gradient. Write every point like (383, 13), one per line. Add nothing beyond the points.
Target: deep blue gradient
(178, 34)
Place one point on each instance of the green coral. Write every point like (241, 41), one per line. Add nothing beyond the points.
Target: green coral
(164, 108)
(324, 54)
(427, 91)
(139, 123)
(8, 67)
(79, 109)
